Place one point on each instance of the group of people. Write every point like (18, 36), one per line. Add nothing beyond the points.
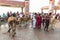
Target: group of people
(43, 19)
(15, 18)
(8, 14)
(12, 21)
(37, 20)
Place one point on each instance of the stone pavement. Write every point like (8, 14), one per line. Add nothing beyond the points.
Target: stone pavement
(30, 34)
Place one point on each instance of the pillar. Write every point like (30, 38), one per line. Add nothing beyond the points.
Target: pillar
(55, 11)
(22, 9)
(51, 6)
(26, 7)
(59, 3)
(42, 11)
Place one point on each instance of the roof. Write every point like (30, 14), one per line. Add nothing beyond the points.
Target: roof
(47, 7)
(12, 3)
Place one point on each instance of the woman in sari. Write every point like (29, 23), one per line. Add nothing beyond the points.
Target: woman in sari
(38, 21)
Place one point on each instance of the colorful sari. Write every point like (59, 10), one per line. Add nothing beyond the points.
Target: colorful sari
(38, 21)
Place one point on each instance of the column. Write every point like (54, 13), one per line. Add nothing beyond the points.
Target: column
(55, 11)
(26, 7)
(22, 9)
(51, 6)
(42, 11)
(59, 3)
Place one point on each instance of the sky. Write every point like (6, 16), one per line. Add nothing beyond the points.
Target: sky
(34, 6)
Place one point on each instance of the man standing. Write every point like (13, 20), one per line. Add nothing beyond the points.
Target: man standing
(47, 21)
(43, 20)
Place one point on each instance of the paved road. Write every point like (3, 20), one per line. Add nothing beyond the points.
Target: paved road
(30, 34)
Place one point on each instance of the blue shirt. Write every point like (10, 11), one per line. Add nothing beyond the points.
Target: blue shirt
(4, 15)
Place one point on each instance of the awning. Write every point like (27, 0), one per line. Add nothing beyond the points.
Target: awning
(12, 3)
(47, 7)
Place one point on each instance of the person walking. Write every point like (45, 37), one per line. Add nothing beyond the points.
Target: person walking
(47, 21)
(34, 21)
(43, 20)
(38, 21)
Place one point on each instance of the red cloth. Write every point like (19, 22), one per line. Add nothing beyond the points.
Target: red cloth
(38, 21)
(57, 14)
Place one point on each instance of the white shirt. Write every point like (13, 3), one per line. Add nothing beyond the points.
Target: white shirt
(21, 15)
